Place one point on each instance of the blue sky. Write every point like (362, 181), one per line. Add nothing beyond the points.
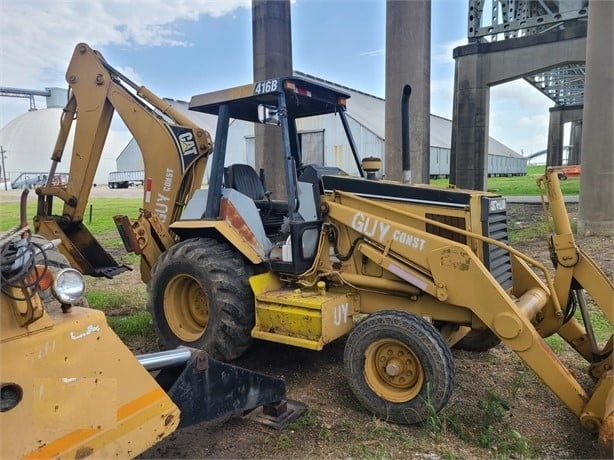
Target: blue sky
(184, 47)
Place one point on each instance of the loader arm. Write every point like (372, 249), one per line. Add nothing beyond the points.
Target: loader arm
(449, 271)
(576, 274)
(174, 150)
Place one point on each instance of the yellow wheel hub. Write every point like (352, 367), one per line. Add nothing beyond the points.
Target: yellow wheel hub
(186, 308)
(393, 371)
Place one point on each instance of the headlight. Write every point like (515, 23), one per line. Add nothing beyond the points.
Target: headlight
(69, 285)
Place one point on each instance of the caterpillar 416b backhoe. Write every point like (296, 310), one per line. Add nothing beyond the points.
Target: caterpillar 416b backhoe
(406, 270)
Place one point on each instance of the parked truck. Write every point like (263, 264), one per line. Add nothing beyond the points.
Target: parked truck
(125, 179)
(32, 180)
(29, 180)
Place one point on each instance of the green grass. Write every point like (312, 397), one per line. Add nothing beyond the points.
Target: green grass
(104, 300)
(487, 426)
(103, 210)
(519, 233)
(98, 214)
(125, 310)
(284, 442)
(601, 328)
(112, 299)
(307, 420)
(521, 185)
(132, 325)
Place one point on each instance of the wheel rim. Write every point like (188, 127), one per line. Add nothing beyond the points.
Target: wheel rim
(392, 370)
(186, 308)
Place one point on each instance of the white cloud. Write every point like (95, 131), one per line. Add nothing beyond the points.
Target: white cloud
(373, 53)
(37, 38)
(37, 35)
(129, 73)
(519, 116)
(521, 94)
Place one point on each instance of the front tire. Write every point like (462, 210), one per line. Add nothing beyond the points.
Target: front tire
(399, 367)
(199, 296)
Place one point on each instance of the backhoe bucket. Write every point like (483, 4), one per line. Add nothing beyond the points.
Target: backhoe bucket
(79, 246)
(205, 389)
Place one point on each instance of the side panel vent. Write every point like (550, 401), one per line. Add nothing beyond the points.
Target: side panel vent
(458, 222)
(494, 225)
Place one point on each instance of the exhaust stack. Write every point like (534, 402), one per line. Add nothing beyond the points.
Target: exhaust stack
(405, 134)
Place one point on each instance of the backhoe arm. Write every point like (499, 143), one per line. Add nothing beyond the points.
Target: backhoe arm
(174, 152)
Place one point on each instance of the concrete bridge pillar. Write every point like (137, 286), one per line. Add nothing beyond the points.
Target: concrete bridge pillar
(596, 214)
(554, 155)
(482, 65)
(470, 116)
(575, 154)
(408, 61)
(272, 54)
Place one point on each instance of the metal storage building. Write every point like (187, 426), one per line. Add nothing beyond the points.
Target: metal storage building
(323, 141)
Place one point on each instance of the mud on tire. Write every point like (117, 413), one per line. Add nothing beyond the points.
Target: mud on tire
(199, 296)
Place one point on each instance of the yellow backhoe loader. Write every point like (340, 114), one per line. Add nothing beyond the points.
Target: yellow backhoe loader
(406, 270)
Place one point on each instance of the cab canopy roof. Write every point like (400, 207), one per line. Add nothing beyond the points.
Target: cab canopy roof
(304, 98)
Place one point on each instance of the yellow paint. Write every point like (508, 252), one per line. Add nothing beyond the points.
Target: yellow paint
(308, 318)
(83, 392)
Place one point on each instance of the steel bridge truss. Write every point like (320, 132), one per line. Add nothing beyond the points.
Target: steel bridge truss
(497, 20)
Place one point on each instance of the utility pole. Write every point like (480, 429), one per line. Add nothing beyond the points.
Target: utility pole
(3, 168)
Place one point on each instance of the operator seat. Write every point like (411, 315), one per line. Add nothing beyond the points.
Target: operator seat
(244, 179)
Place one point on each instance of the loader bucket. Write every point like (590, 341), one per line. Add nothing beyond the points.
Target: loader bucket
(205, 389)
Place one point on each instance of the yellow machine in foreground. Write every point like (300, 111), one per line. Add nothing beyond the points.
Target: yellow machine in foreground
(71, 389)
(430, 268)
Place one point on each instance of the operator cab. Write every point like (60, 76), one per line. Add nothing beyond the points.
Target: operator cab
(292, 225)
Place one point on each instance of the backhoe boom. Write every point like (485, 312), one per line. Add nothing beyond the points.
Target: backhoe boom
(174, 152)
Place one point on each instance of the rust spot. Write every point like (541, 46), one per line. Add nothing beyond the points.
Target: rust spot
(230, 214)
(169, 419)
(83, 452)
(456, 259)
(606, 437)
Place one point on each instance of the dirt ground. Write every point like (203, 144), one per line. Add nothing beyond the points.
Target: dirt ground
(499, 408)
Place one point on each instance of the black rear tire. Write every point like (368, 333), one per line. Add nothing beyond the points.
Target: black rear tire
(399, 367)
(478, 340)
(199, 296)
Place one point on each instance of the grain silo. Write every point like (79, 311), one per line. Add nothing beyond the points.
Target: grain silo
(28, 141)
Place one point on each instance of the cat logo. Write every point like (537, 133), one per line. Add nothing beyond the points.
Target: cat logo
(188, 146)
